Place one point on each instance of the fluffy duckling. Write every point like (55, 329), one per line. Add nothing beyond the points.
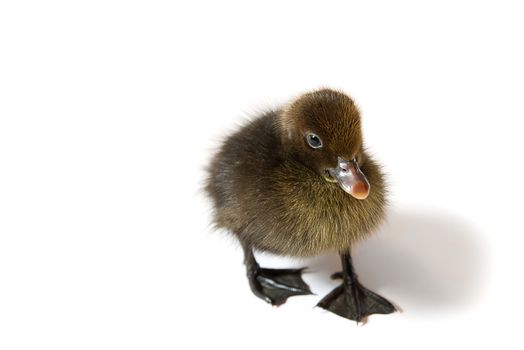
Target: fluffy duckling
(297, 182)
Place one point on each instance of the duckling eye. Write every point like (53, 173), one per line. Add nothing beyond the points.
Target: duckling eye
(314, 141)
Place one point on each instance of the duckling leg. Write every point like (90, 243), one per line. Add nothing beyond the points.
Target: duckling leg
(351, 300)
(273, 285)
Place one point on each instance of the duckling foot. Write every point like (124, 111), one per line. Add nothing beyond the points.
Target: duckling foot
(272, 285)
(352, 300)
(275, 286)
(355, 302)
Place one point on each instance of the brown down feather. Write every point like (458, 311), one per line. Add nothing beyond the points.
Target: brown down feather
(268, 186)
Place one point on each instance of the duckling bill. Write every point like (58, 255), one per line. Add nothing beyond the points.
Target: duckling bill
(296, 181)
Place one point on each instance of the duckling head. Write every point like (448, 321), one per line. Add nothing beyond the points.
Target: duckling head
(322, 130)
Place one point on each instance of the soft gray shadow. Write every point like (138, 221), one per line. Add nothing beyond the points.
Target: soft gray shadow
(421, 260)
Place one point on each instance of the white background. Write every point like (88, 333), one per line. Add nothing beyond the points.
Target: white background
(109, 111)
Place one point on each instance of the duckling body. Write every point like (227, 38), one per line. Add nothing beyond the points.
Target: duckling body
(277, 204)
(291, 182)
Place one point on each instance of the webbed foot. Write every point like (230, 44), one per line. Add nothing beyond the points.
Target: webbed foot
(275, 286)
(352, 300)
(355, 302)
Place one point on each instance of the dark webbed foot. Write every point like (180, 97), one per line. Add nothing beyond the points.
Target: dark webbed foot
(274, 285)
(355, 302)
(351, 300)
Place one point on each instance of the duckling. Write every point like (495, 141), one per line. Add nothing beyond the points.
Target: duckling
(296, 181)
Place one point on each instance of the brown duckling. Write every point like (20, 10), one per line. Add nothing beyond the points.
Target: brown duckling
(297, 182)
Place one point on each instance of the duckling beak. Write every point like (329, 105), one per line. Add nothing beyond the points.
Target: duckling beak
(350, 178)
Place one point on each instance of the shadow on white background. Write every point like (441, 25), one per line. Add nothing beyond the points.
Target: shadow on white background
(428, 260)
(423, 261)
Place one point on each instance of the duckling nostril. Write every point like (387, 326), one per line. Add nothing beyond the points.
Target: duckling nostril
(342, 168)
